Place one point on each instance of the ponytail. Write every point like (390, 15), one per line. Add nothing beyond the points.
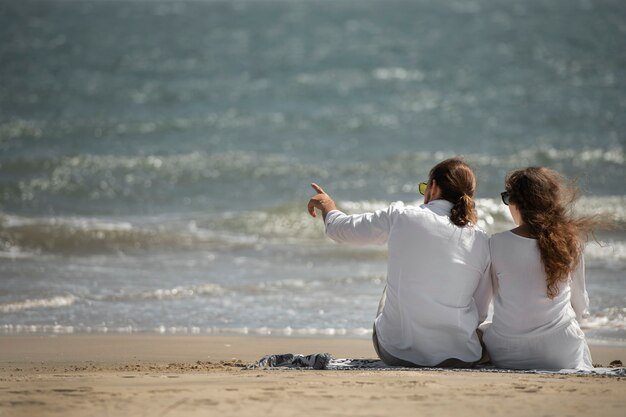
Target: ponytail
(463, 211)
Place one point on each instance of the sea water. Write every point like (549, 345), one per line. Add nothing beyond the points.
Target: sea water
(155, 156)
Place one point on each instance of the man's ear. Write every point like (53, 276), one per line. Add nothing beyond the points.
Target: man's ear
(435, 192)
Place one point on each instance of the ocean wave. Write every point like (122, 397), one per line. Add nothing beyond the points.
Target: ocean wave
(609, 318)
(396, 174)
(184, 292)
(163, 294)
(53, 302)
(590, 327)
(285, 224)
(24, 237)
(7, 251)
(155, 177)
(186, 330)
(139, 178)
(298, 286)
(98, 127)
(159, 294)
(397, 73)
(541, 155)
(611, 254)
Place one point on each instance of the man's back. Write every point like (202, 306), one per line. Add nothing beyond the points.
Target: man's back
(438, 288)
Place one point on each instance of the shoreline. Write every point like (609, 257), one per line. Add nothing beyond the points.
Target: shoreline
(170, 375)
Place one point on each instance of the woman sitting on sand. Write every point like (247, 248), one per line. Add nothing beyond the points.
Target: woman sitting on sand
(438, 284)
(538, 277)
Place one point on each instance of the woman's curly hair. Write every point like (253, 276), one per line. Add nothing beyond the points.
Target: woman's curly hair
(545, 201)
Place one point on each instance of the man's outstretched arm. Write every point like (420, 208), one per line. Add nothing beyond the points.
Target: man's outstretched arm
(363, 229)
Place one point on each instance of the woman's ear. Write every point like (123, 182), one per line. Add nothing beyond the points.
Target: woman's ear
(517, 217)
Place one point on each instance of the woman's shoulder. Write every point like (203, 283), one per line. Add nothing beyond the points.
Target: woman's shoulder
(500, 235)
(512, 234)
(500, 238)
(506, 240)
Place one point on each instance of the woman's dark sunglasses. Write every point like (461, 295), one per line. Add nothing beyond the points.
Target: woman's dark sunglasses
(505, 197)
(422, 187)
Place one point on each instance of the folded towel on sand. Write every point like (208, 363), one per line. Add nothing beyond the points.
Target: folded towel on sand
(321, 361)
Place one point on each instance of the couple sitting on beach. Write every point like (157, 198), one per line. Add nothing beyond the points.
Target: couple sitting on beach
(443, 273)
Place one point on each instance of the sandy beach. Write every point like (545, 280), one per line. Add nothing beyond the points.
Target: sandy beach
(136, 375)
(156, 158)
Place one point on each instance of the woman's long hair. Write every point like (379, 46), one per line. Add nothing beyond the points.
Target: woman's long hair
(545, 202)
(457, 183)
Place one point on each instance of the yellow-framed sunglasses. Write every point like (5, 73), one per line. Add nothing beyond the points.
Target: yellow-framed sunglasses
(422, 187)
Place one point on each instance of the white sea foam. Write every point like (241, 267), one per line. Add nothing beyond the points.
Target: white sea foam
(613, 155)
(193, 330)
(611, 253)
(181, 292)
(590, 326)
(614, 320)
(22, 236)
(613, 206)
(29, 304)
(162, 294)
(15, 252)
(397, 73)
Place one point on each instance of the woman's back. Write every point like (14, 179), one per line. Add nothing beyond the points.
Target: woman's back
(521, 304)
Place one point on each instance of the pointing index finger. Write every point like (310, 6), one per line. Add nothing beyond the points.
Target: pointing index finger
(317, 188)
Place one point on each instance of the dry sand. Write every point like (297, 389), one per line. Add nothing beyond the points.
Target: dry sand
(107, 375)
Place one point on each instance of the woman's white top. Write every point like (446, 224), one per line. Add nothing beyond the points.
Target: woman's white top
(530, 330)
(438, 282)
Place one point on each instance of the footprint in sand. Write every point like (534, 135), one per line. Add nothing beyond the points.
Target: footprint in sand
(527, 388)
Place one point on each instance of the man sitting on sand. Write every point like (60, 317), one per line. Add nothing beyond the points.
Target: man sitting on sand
(438, 285)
